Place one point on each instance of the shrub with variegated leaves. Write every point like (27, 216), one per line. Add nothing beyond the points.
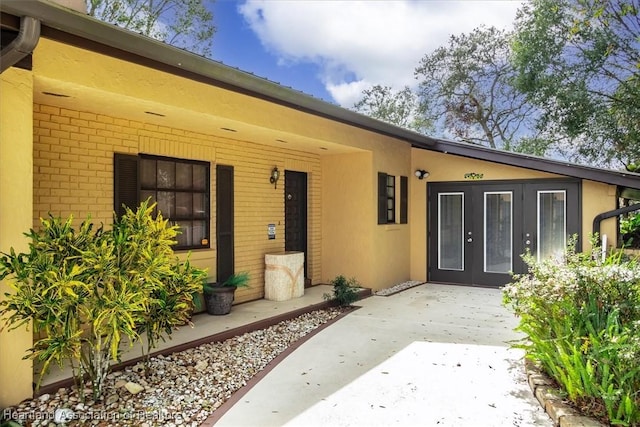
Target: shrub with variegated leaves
(581, 315)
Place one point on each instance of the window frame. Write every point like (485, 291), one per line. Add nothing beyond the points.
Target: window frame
(204, 217)
(392, 199)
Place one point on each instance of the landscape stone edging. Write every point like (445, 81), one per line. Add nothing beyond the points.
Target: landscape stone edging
(562, 414)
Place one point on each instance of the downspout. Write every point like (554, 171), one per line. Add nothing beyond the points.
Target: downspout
(610, 214)
(23, 45)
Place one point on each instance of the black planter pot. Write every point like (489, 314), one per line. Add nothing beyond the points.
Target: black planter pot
(218, 299)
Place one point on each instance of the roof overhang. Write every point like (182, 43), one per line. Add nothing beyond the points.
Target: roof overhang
(622, 179)
(73, 27)
(78, 29)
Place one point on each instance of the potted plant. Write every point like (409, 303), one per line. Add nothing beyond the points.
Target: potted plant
(218, 297)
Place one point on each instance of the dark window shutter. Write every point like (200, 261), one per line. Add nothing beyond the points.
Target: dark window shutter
(224, 223)
(382, 198)
(404, 196)
(125, 182)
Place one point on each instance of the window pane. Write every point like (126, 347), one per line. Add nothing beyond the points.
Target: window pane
(184, 237)
(199, 206)
(166, 202)
(497, 233)
(180, 189)
(151, 195)
(199, 233)
(450, 231)
(199, 177)
(166, 174)
(184, 205)
(148, 173)
(183, 176)
(552, 224)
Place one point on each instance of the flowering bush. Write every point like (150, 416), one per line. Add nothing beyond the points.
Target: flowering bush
(581, 316)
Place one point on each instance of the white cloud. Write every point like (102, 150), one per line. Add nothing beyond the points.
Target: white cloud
(359, 43)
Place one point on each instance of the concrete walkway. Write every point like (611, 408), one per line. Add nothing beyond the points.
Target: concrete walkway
(433, 355)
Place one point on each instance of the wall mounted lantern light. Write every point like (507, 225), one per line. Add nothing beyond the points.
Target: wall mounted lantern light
(275, 175)
(421, 173)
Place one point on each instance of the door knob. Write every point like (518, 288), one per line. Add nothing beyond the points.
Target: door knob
(469, 240)
(527, 242)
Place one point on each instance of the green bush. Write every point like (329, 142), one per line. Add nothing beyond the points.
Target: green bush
(86, 291)
(345, 291)
(582, 321)
(630, 230)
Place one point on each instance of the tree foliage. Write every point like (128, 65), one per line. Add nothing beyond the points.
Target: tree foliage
(400, 108)
(466, 88)
(186, 24)
(579, 60)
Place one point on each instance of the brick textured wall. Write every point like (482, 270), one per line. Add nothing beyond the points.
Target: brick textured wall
(73, 175)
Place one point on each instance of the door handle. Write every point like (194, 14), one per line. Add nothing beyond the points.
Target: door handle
(527, 242)
(469, 240)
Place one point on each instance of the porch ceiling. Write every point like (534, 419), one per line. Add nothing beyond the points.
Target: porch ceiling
(70, 95)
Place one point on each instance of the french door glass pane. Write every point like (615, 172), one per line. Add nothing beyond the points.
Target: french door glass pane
(451, 231)
(552, 223)
(498, 226)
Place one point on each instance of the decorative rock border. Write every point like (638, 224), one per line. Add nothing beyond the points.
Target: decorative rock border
(398, 288)
(549, 396)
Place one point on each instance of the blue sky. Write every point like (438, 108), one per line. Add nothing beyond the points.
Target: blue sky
(334, 49)
(237, 45)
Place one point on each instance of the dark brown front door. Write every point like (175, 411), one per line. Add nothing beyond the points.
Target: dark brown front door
(295, 213)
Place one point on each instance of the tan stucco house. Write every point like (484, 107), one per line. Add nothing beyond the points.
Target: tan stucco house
(93, 116)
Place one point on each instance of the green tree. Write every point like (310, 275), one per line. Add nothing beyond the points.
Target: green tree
(186, 24)
(400, 108)
(466, 88)
(579, 60)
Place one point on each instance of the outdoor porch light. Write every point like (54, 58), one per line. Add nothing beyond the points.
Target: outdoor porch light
(275, 175)
(421, 173)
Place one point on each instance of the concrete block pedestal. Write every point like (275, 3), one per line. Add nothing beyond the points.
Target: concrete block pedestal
(284, 275)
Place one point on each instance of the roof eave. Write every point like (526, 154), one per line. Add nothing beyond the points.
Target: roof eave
(78, 24)
(624, 179)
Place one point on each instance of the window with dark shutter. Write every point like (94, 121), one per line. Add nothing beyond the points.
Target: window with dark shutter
(179, 187)
(382, 198)
(404, 199)
(387, 198)
(391, 199)
(125, 185)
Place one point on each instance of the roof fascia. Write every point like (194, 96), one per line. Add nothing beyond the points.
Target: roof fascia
(625, 179)
(183, 63)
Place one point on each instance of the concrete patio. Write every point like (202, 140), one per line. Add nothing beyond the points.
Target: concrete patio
(431, 355)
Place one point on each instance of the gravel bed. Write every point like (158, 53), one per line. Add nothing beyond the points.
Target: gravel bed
(398, 288)
(181, 389)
